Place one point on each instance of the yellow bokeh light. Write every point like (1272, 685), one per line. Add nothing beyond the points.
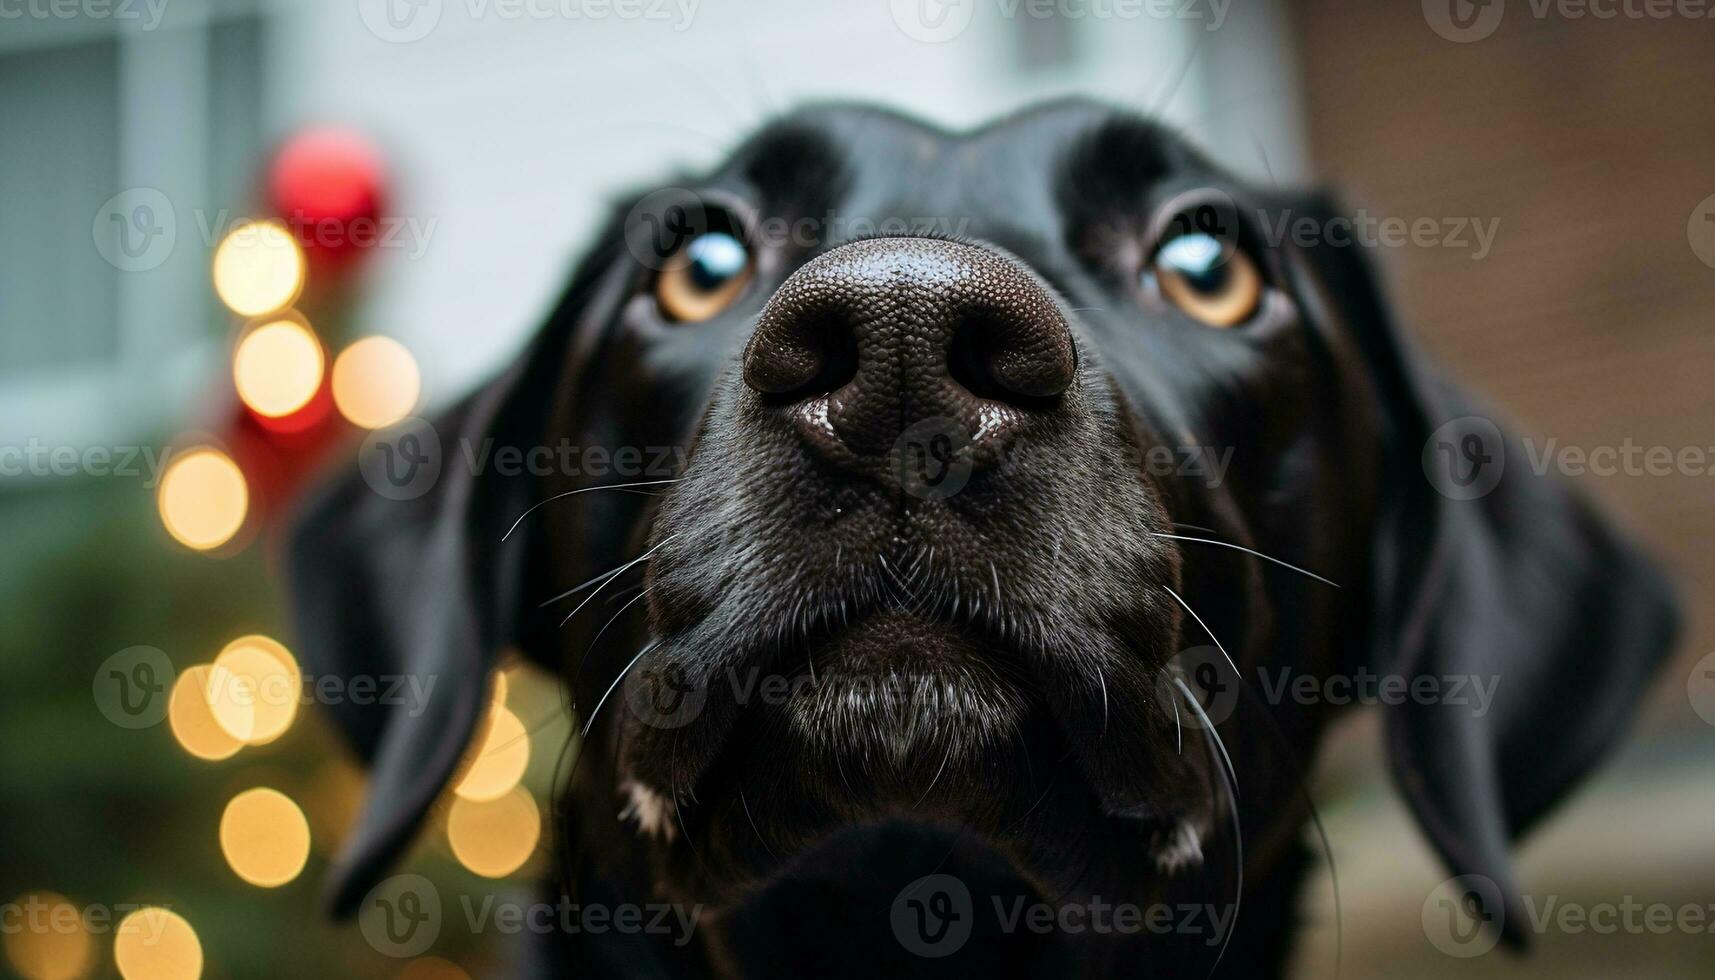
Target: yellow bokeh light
(260, 706)
(375, 382)
(494, 838)
(203, 498)
(156, 944)
(265, 837)
(190, 713)
(432, 968)
(499, 759)
(45, 938)
(277, 367)
(258, 268)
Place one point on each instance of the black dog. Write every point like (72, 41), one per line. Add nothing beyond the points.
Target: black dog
(1010, 455)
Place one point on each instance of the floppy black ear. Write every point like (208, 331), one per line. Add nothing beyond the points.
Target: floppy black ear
(1489, 571)
(393, 577)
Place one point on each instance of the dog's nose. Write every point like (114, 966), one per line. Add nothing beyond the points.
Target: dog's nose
(887, 332)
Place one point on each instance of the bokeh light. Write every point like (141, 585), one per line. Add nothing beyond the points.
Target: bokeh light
(375, 382)
(499, 759)
(156, 944)
(265, 837)
(494, 838)
(277, 367)
(190, 713)
(258, 268)
(45, 938)
(203, 498)
(262, 704)
(432, 968)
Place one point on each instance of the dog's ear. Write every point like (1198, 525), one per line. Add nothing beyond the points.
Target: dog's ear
(1487, 571)
(397, 572)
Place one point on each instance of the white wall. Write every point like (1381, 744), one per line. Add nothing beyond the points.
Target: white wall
(510, 132)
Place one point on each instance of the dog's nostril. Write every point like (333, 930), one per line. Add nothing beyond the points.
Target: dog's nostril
(801, 357)
(997, 358)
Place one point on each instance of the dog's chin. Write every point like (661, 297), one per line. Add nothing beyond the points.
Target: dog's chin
(895, 719)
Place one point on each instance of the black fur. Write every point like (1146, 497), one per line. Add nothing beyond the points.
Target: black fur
(995, 698)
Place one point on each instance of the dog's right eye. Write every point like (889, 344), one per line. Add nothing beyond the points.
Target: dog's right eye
(704, 278)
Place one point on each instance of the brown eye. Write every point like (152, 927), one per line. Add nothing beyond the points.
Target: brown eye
(704, 278)
(1213, 285)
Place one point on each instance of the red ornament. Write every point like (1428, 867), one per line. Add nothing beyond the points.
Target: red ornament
(327, 184)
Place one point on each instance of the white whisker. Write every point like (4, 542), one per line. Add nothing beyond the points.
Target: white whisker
(590, 721)
(573, 493)
(1248, 551)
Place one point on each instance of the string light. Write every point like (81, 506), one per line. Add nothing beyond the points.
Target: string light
(190, 713)
(432, 968)
(203, 498)
(500, 758)
(265, 837)
(157, 944)
(376, 382)
(258, 269)
(263, 700)
(494, 838)
(277, 368)
(45, 938)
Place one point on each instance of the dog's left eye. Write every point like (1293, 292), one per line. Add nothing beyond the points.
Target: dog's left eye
(1213, 284)
(704, 278)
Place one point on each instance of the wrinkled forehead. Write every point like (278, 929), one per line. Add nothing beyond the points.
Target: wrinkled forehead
(1025, 174)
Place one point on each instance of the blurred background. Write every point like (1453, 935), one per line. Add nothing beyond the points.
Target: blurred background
(235, 236)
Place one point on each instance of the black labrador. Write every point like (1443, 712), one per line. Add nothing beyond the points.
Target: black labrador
(987, 627)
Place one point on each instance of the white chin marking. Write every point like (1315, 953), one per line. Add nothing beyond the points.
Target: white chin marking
(1177, 849)
(652, 812)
